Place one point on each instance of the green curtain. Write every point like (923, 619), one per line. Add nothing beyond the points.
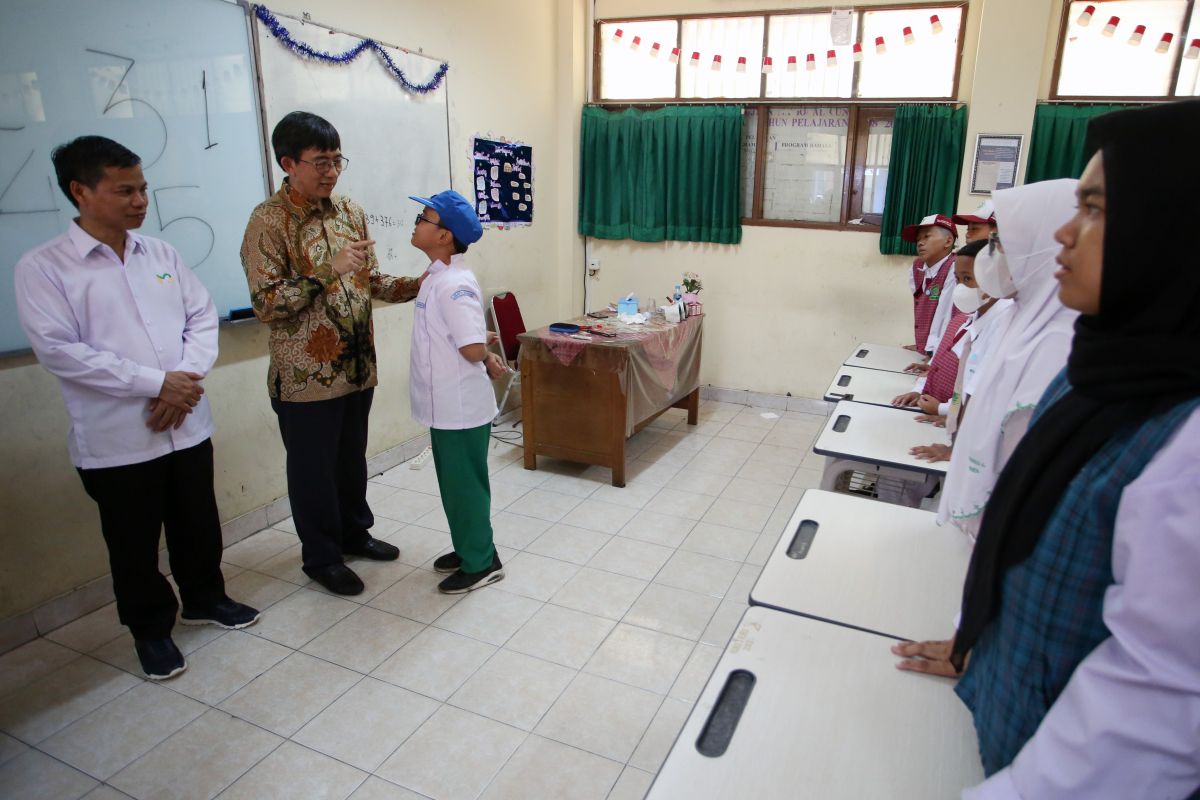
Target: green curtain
(1059, 132)
(671, 173)
(923, 172)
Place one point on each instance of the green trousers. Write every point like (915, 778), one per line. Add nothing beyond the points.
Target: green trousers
(460, 459)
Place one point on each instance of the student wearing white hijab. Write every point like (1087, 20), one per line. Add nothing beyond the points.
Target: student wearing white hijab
(1030, 344)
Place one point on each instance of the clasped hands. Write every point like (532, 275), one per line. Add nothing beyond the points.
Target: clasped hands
(180, 393)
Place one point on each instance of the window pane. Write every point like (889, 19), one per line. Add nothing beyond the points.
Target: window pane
(730, 38)
(1188, 84)
(806, 156)
(798, 35)
(925, 68)
(1096, 65)
(749, 151)
(875, 168)
(627, 73)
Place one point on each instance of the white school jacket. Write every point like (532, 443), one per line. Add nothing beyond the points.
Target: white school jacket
(445, 390)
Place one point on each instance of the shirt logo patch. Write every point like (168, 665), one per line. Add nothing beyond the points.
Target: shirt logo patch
(463, 293)
(165, 277)
(420, 304)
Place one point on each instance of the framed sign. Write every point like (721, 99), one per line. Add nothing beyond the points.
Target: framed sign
(996, 159)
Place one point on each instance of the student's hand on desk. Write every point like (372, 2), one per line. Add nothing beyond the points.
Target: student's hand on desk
(352, 257)
(932, 658)
(181, 390)
(908, 399)
(932, 419)
(917, 368)
(163, 416)
(495, 366)
(928, 403)
(931, 452)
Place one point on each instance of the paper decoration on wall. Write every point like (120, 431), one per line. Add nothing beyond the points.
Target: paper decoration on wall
(503, 182)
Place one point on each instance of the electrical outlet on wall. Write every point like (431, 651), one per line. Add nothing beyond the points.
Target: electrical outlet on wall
(593, 267)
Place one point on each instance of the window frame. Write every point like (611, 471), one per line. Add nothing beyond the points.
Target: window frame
(852, 168)
(597, 45)
(1064, 26)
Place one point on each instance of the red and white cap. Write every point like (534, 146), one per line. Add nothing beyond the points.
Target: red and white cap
(768, 65)
(695, 59)
(935, 24)
(858, 56)
(1085, 17)
(910, 232)
(716, 63)
(1193, 49)
(880, 47)
(655, 49)
(831, 58)
(908, 36)
(674, 57)
(1110, 27)
(1135, 38)
(985, 213)
(636, 43)
(810, 62)
(1164, 44)
(741, 64)
(792, 65)
(618, 34)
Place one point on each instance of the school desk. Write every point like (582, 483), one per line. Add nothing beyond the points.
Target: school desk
(876, 440)
(884, 357)
(867, 565)
(874, 386)
(582, 398)
(826, 716)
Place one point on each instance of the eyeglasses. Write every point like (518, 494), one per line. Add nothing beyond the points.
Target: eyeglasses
(341, 164)
(422, 218)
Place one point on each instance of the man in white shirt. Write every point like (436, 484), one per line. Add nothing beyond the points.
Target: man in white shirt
(449, 387)
(130, 333)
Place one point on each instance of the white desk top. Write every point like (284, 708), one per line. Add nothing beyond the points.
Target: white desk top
(880, 435)
(874, 386)
(829, 717)
(880, 356)
(878, 567)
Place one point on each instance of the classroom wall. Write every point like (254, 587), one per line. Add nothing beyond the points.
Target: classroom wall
(785, 306)
(516, 71)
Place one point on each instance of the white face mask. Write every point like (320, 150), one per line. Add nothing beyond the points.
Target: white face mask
(967, 299)
(992, 274)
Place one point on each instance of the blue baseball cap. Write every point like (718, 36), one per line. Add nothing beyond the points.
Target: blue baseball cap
(456, 213)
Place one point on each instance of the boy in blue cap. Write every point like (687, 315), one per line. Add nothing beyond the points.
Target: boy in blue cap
(450, 387)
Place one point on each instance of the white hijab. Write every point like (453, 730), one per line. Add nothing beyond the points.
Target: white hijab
(1028, 350)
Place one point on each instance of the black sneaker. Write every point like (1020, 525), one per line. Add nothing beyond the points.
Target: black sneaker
(375, 550)
(462, 582)
(160, 658)
(226, 613)
(448, 563)
(337, 578)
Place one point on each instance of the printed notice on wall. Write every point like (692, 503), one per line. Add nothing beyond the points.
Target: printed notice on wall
(996, 159)
(805, 153)
(503, 174)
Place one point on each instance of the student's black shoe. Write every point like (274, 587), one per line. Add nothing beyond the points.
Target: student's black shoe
(375, 550)
(225, 613)
(337, 578)
(462, 582)
(447, 563)
(160, 658)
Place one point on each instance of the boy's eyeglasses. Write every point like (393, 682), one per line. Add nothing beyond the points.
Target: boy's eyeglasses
(340, 164)
(422, 218)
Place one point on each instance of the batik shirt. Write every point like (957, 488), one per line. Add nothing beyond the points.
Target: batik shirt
(322, 342)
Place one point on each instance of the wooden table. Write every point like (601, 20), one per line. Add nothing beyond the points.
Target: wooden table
(828, 717)
(582, 400)
(867, 565)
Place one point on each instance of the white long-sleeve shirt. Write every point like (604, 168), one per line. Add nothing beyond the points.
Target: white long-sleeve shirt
(110, 331)
(945, 307)
(1127, 724)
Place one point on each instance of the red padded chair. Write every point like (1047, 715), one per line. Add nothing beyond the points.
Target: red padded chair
(509, 324)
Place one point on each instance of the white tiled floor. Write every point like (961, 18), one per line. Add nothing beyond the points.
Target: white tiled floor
(568, 679)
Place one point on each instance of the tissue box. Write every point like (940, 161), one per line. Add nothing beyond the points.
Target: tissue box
(629, 307)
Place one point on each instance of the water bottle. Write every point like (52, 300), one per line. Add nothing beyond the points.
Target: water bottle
(679, 302)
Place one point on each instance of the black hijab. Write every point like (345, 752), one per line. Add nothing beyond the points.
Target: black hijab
(1137, 358)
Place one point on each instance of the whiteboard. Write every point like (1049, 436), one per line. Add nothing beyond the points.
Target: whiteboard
(398, 142)
(170, 79)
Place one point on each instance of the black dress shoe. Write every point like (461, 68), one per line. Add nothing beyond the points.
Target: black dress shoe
(375, 550)
(337, 578)
(160, 658)
(226, 613)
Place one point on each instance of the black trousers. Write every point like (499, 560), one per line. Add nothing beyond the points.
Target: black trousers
(326, 443)
(137, 502)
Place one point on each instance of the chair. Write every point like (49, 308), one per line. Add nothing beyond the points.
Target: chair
(509, 324)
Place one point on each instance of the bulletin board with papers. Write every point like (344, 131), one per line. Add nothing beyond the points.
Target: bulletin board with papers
(805, 170)
(503, 174)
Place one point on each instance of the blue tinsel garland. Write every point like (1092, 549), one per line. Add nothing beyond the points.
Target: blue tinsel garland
(307, 51)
